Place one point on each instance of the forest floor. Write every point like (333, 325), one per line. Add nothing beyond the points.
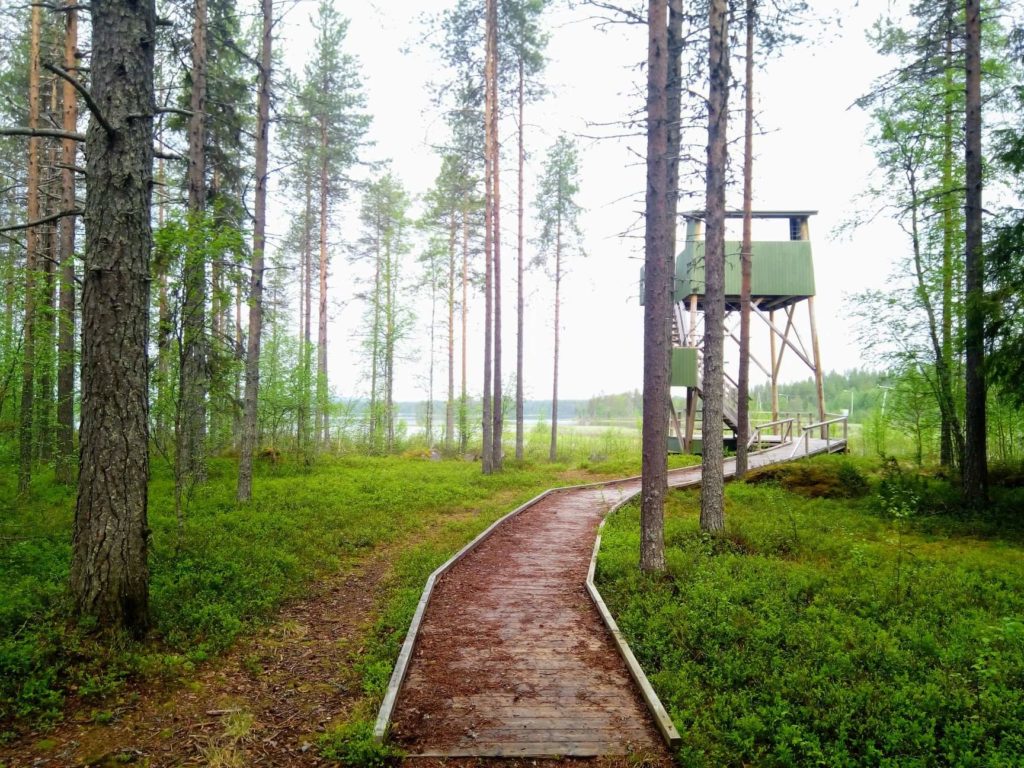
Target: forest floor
(276, 628)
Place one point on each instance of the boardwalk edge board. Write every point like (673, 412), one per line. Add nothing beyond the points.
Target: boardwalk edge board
(661, 717)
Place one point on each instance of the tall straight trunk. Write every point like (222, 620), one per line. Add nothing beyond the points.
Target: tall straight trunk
(32, 258)
(464, 317)
(743, 383)
(520, 303)
(45, 343)
(433, 353)
(164, 321)
(389, 346)
(553, 450)
(975, 463)
(375, 366)
(487, 447)
(657, 298)
(496, 403)
(946, 451)
(252, 359)
(66, 330)
(323, 425)
(194, 374)
(307, 318)
(109, 570)
(673, 100)
(449, 414)
(712, 499)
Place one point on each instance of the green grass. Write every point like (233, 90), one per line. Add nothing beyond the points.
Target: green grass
(234, 565)
(839, 632)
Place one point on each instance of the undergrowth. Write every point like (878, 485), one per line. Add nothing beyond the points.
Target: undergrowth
(232, 566)
(883, 630)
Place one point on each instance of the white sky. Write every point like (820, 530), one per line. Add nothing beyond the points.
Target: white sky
(813, 158)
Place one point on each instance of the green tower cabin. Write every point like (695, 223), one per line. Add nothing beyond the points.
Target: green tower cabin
(782, 278)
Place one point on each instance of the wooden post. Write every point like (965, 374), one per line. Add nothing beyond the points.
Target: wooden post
(819, 376)
(775, 368)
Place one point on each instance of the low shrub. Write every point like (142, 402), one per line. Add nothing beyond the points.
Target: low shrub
(823, 478)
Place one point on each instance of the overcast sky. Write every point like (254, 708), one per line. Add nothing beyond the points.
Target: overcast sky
(812, 157)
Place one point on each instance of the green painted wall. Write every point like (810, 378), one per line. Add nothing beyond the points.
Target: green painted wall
(684, 367)
(778, 268)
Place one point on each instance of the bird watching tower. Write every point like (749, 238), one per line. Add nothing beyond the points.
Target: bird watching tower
(782, 278)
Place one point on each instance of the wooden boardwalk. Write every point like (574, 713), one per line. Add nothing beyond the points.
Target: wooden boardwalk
(512, 658)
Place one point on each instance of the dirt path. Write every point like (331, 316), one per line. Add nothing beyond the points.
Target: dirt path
(260, 705)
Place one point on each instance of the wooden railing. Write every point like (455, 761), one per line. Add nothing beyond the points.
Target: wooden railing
(785, 431)
(826, 433)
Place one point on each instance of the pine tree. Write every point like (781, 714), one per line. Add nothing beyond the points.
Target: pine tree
(560, 237)
(332, 98)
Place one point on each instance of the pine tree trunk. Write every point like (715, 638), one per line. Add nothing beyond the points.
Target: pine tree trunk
(464, 316)
(66, 332)
(449, 415)
(553, 450)
(497, 412)
(193, 374)
(109, 571)
(323, 425)
(975, 464)
(712, 499)
(47, 308)
(946, 440)
(307, 332)
(657, 298)
(520, 303)
(252, 360)
(743, 384)
(487, 447)
(26, 431)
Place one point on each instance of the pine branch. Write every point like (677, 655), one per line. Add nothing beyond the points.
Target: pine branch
(90, 102)
(45, 133)
(44, 220)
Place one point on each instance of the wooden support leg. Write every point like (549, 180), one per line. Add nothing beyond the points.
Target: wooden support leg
(775, 367)
(691, 417)
(819, 374)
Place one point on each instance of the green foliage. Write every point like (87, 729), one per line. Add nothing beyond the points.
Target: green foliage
(818, 633)
(235, 564)
(353, 744)
(831, 477)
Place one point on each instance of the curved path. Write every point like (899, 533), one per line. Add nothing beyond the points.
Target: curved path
(512, 658)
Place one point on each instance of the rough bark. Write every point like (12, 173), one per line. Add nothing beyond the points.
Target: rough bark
(64, 467)
(743, 379)
(975, 465)
(657, 299)
(25, 425)
(109, 571)
(193, 381)
(252, 360)
(712, 499)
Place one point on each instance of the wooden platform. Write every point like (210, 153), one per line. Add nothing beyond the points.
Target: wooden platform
(512, 658)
